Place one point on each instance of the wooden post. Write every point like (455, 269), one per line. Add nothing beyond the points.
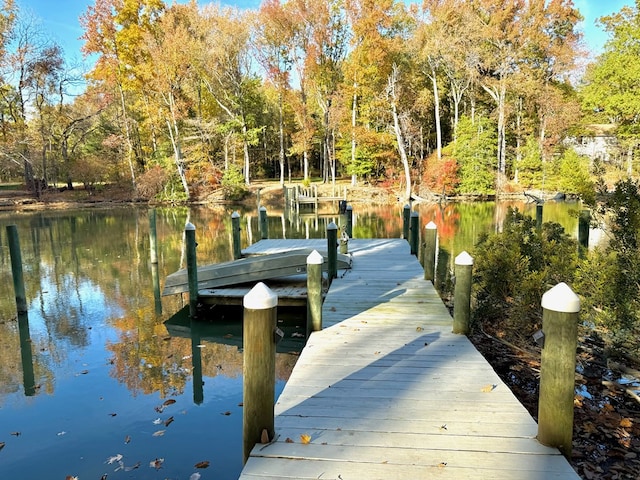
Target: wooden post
(264, 224)
(332, 251)
(462, 293)
(349, 222)
(153, 237)
(414, 233)
(538, 216)
(192, 267)
(344, 242)
(26, 354)
(558, 367)
(314, 292)
(429, 258)
(583, 228)
(406, 214)
(235, 233)
(259, 366)
(16, 268)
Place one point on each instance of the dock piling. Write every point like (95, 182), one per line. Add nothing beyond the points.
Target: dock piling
(16, 268)
(406, 214)
(259, 366)
(349, 222)
(235, 232)
(192, 267)
(583, 228)
(264, 224)
(429, 257)
(314, 292)
(332, 251)
(560, 307)
(414, 233)
(462, 293)
(153, 237)
(539, 215)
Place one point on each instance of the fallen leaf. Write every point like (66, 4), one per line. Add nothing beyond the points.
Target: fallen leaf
(157, 463)
(228, 335)
(132, 467)
(442, 464)
(159, 433)
(2, 444)
(71, 477)
(419, 329)
(103, 477)
(83, 372)
(15, 434)
(61, 433)
(626, 423)
(116, 458)
(227, 413)
(264, 436)
(113, 414)
(204, 464)
(169, 401)
(194, 476)
(241, 404)
(157, 421)
(127, 439)
(488, 388)
(288, 440)
(443, 427)
(168, 421)
(305, 439)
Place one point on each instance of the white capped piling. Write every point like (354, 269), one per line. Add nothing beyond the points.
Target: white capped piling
(314, 292)
(264, 224)
(349, 222)
(235, 234)
(259, 366)
(414, 233)
(332, 251)
(192, 267)
(153, 237)
(462, 293)
(406, 215)
(16, 268)
(560, 307)
(429, 256)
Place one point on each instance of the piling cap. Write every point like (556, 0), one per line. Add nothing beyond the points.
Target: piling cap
(464, 259)
(260, 297)
(414, 214)
(561, 299)
(431, 226)
(315, 258)
(189, 226)
(263, 208)
(235, 215)
(332, 226)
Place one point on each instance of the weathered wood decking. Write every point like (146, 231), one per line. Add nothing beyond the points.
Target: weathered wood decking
(385, 391)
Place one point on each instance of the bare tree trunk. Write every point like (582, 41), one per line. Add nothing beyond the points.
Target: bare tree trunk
(436, 106)
(353, 131)
(281, 157)
(393, 79)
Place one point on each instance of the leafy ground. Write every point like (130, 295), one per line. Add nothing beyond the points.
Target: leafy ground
(606, 437)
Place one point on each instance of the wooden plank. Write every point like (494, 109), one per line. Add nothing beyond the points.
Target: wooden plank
(244, 270)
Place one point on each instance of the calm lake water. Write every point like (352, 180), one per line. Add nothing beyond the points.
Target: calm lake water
(94, 382)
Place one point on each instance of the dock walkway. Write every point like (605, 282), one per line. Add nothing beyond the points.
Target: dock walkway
(386, 391)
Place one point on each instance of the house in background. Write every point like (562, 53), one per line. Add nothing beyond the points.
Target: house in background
(598, 142)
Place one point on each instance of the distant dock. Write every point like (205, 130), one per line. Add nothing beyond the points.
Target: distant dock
(386, 391)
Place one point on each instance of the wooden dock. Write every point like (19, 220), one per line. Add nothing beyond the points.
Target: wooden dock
(386, 391)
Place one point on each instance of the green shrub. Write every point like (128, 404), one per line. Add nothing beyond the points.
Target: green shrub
(514, 268)
(232, 183)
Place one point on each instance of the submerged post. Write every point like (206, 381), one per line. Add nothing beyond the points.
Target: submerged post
(583, 228)
(560, 307)
(235, 233)
(429, 258)
(153, 237)
(192, 267)
(414, 233)
(314, 292)
(462, 293)
(264, 225)
(16, 268)
(349, 222)
(332, 251)
(406, 214)
(259, 366)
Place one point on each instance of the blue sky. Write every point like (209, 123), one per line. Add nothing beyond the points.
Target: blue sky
(59, 19)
